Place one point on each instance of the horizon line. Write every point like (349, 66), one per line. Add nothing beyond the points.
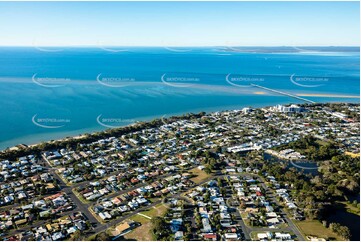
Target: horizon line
(69, 46)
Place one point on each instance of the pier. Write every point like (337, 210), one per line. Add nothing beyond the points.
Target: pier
(283, 93)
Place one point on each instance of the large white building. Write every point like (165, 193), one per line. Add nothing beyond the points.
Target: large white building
(291, 109)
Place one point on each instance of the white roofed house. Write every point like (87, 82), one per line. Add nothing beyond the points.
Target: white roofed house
(142, 200)
(72, 230)
(264, 236)
(178, 235)
(57, 236)
(21, 195)
(291, 205)
(226, 223)
(272, 215)
(107, 215)
(133, 204)
(231, 236)
(283, 236)
(206, 226)
(102, 216)
(59, 201)
(272, 221)
(269, 208)
(230, 169)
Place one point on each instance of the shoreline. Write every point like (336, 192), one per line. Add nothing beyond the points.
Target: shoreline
(147, 119)
(144, 119)
(94, 129)
(63, 139)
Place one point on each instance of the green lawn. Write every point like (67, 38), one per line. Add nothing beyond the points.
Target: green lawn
(158, 210)
(200, 175)
(253, 235)
(282, 225)
(321, 142)
(245, 219)
(316, 229)
(144, 232)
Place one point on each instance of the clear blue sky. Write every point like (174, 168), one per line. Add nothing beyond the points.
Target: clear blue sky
(179, 23)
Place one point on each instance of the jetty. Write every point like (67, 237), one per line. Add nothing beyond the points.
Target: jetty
(283, 93)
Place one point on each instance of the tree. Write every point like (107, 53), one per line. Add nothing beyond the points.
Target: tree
(219, 181)
(324, 223)
(197, 217)
(243, 205)
(334, 227)
(160, 228)
(208, 170)
(77, 235)
(344, 232)
(102, 236)
(354, 203)
(207, 197)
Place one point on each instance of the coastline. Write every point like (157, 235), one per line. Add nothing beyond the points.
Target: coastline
(326, 95)
(82, 134)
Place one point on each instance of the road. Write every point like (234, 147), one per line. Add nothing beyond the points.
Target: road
(178, 196)
(125, 217)
(290, 223)
(98, 227)
(246, 230)
(85, 207)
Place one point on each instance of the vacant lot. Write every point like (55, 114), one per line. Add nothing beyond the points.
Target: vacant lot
(199, 175)
(144, 231)
(315, 228)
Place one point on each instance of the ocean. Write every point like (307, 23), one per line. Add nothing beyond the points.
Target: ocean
(52, 93)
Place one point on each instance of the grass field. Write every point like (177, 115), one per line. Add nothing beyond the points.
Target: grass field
(316, 229)
(245, 219)
(200, 175)
(144, 232)
(321, 142)
(350, 208)
(253, 234)
(158, 210)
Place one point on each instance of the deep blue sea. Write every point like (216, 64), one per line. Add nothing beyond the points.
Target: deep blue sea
(51, 93)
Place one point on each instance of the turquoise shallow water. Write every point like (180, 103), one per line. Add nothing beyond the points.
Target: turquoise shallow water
(52, 93)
